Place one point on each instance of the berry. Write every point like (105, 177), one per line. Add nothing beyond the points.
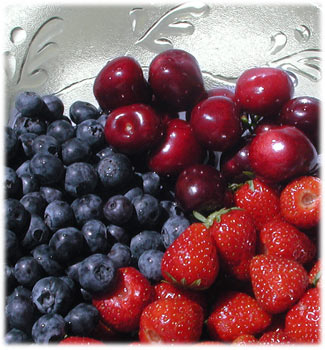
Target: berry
(149, 264)
(29, 104)
(80, 341)
(50, 194)
(245, 339)
(300, 202)
(172, 228)
(118, 234)
(147, 210)
(28, 271)
(143, 241)
(121, 307)
(278, 283)
(95, 235)
(75, 150)
(120, 255)
(54, 107)
(91, 132)
(151, 183)
(275, 337)
(58, 214)
(44, 255)
(16, 336)
(49, 328)
(118, 210)
(46, 143)
(315, 274)
(12, 248)
(17, 217)
(80, 111)
(221, 91)
(37, 233)
(87, 207)
(61, 130)
(82, 319)
(27, 141)
(191, 261)
(29, 125)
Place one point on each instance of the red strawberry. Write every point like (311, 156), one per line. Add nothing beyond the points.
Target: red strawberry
(171, 320)
(278, 283)
(315, 274)
(280, 238)
(165, 290)
(300, 202)
(235, 235)
(260, 200)
(303, 321)
(191, 261)
(236, 314)
(245, 339)
(275, 337)
(122, 306)
(79, 341)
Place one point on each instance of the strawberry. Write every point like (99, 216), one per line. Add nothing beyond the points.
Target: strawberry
(280, 238)
(191, 261)
(315, 274)
(277, 282)
(235, 235)
(171, 320)
(79, 341)
(300, 202)
(303, 321)
(245, 339)
(121, 307)
(275, 337)
(260, 200)
(236, 314)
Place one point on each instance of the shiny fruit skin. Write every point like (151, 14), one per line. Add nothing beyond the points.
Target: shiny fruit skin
(133, 129)
(219, 91)
(176, 80)
(200, 187)
(120, 83)
(216, 123)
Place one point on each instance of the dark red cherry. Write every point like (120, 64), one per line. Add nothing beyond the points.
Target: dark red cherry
(176, 80)
(264, 127)
(133, 129)
(282, 153)
(263, 91)
(225, 92)
(179, 149)
(200, 187)
(120, 83)
(304, 113)
(216, 123)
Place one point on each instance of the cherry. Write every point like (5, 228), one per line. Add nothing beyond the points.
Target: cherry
(120, 83)
(179, 148)
(225, 92)
(216, 123)
(176, 80)
(282, 153)
(133, 129)
(264, 127)
(263, 91)
(200, 187)
(303, 112)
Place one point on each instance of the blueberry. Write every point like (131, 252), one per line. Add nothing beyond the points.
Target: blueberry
(95, 234)
(29, 184)
(115, 170)
(12, 248)
(91, 132)
(20, 291)
(145, 240)
(17, 217)
(104, 152)
(96, 273)
(67, 244)
(70, 283)
(151, 183)
(86, 296)
(118, 233)
(46, 143)
(61, 130)
(16, 336)
(75, 150)
(102, 119)
(48, 328)
(147, 210)
(27, 140)
(54, 107)
(44, 255)
(80, 178)
(47, 168)
(10, 279)
(12, 183)
(24, 169)
(20, 313)
(149, 264)
(120, 254)
(171, 208)
(51, 294)
(51, 194)
(72, 271)
(58, 214)
(34, 203)
(87, 207)
(81, 111)
(24, 125)
(118, 210)
(172, 228)
(29, 104)
(28, 271)
(11, 142)
(133, 193)
(37, 233)
(82, 320)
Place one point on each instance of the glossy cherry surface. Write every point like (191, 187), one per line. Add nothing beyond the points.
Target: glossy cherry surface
(200, 187)
(263, 91)
(219, 91)
(179, 148)
(176, 80)
(282, 153)
(120, 83)
(216, 123)
(303, 112)
(133, 129)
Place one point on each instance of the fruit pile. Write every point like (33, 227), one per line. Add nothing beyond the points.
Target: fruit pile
(169, 213)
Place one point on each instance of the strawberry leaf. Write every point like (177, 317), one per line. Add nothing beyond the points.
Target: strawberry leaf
(173, 279)
(251, 185)
(316, 279)
(196, 283)
(183, 281)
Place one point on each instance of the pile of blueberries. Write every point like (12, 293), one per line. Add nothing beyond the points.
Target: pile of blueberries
(76, 211)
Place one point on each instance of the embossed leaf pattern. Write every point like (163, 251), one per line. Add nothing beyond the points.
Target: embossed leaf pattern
(9, 64)
(278, 42)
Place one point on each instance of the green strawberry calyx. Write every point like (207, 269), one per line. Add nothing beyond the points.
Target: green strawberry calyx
(215, 216)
